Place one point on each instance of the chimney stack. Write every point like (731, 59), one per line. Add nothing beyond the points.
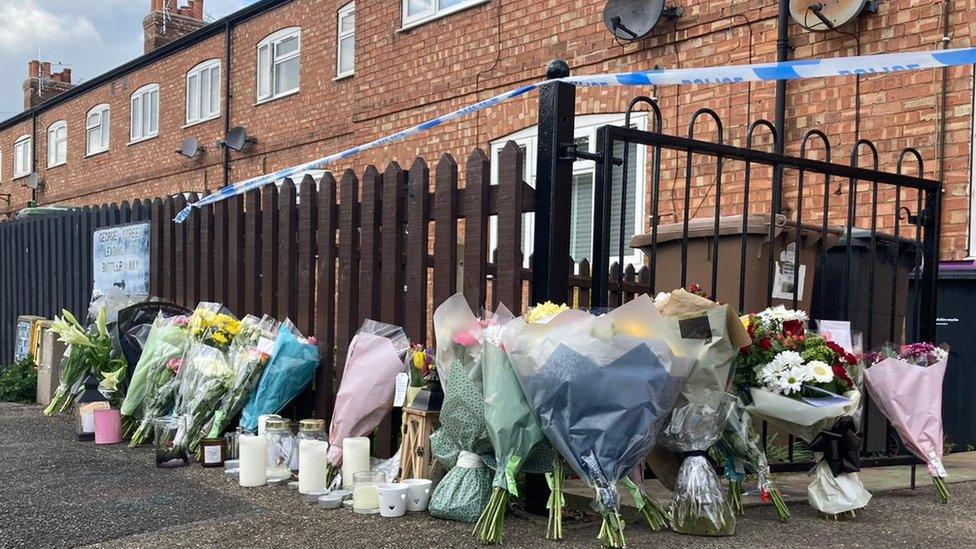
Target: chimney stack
(42, 84)
(171, 20)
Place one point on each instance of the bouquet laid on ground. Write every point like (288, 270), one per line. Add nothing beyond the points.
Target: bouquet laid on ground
(461, 443)
(88, 351)
(906, 384)
(166, 341)
(742, 448)
(206, 373)
(159, 401)
(806, 384)
(248, 355)
(376, 355)
(602, 387)
(514, 431)
(698, 503)
(290, 369)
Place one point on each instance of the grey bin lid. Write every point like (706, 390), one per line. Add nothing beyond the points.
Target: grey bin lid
(704, 227)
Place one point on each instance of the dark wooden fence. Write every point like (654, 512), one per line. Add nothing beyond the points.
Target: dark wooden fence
(46, 263)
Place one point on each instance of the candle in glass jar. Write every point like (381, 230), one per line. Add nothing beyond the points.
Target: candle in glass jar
(365, 492)
(313, 459)
(253, 458)
(355, 459)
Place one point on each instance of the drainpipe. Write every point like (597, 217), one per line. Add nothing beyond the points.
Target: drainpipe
(782, 54)
(33, 145)
(227, 96)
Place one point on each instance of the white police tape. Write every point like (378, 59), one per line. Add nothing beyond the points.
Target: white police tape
(790, 70)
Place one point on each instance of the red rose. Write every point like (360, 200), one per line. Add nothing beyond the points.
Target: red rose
(765, 344)
(841, 373)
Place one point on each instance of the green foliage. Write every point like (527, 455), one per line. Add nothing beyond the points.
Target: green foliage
(18, 383)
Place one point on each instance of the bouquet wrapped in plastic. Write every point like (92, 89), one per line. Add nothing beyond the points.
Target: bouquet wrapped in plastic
(248, 355)
(514, 431)
(159, 401)
(376, 355)
(289, 370)
(698, 503)
(206, 374)
(166, 341)
(461, 443)
(602, 387)
(742, 448)
(805, 384)
(906, 384)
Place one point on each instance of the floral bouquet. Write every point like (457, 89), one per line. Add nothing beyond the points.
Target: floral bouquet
(906, 384)
(375, 357)
(461, 443)
(514, 431)
(248, 355)
(158, 401)
(601, 387)
(290, 369)
(805, 383)
(742, 448)
(166, 341)
(698, 504)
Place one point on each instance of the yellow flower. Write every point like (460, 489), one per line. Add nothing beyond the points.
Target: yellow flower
(745, 321)
(418, 360)
(220, 338)
(544, 311)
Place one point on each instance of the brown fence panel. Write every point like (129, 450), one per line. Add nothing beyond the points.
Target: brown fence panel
(476, 194)
(236, 267)
(415, 315)
(508, 285)
(287, 250)
(325, 288)
(348, 296)
(391, 261)
(269, 248)
(307, 218)
(445, 230)
(252, 252)
(369, 244)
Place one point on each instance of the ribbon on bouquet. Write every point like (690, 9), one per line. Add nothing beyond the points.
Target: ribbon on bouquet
(840, 445)
(758, 72)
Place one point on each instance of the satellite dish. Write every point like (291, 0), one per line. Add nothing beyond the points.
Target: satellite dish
(33, 181)
(190, 147)
(237, 138)
(632, 19)
(825, 15)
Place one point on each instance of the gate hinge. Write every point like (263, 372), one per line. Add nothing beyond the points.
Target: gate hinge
(570, 152)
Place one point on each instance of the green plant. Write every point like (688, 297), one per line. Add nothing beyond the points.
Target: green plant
(18, 383)
(779, 453)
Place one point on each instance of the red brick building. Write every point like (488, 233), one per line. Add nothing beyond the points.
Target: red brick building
(307, 78)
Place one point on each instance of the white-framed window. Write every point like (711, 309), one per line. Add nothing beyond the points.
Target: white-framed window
(416, 12)
(203, 92)
(346, 41)
(97, 130)
(279, 63)
(584, 175)
(57, 143)
(144, 113)
(23, 157)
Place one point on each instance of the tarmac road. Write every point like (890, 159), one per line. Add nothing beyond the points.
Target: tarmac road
(57, 492)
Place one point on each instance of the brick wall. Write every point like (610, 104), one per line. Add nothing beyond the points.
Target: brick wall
(405, 77)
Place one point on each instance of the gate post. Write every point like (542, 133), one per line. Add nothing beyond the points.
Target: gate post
(553, 188)
(931, 218)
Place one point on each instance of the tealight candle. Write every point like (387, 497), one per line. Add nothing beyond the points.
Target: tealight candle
(312, 460)
(365, 496)
(355, 459)
(253, 457)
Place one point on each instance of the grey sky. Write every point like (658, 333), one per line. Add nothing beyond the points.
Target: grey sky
(90, 36)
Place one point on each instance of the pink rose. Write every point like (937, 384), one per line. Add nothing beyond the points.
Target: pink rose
(466, 339)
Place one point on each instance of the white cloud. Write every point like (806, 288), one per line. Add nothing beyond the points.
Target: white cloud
(26, 26)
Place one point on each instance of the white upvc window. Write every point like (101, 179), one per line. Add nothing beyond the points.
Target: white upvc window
(23, 157)
(416, 12)
(57, 143)
(346, 41)
(203, 92)
(144, 113)
(97, 130)
(584, 176)
(279, 64)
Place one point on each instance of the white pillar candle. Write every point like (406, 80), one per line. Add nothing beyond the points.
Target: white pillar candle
(313, 459)
(253, 458)
(355, 458)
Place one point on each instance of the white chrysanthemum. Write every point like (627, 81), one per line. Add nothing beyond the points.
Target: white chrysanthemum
(768, 374)
(820, 371)
(787, 360)
(940, 354)
(780, 313)
(492, 334)
(790, 381)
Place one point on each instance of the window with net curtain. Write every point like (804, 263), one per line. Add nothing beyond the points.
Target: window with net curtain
(582, 199)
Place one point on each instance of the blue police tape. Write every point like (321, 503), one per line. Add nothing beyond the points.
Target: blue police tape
(790, 70)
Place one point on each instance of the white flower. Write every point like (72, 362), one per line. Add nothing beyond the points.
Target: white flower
(790, 382)
(492, 334)
(768, 374)
(940, 354)
(661, 298)
(787, 360)
(820, 371)
(780, 313)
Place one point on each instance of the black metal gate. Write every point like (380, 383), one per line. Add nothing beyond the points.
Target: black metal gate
(869, 234)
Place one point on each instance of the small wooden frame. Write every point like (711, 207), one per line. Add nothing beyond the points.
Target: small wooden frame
(416, 428)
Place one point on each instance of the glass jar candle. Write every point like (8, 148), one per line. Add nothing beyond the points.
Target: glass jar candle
(308, 429)
(365, 496)
(232, 442)
(281, 444)
(168, 454)
(213, 452)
